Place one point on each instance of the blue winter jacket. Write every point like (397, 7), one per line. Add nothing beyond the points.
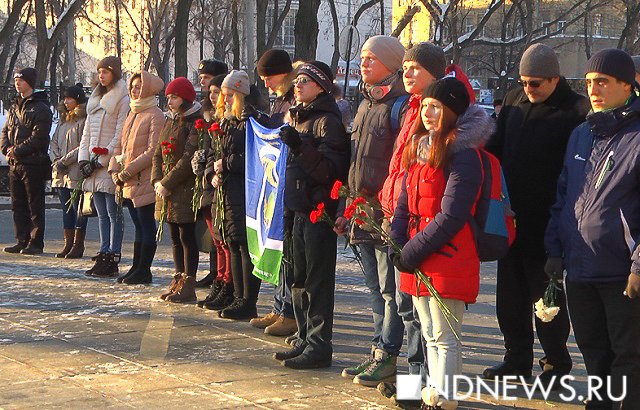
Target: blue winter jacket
(595, 222)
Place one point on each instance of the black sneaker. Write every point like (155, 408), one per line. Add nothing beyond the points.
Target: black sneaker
(223, 299)
(289, 354)
(303, 362)
(241, 309)
(31, 250)
(15, 248)
(216, 287)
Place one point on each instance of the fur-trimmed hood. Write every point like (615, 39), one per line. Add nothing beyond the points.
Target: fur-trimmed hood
(109, 101)
(473, 129)
(78, 113)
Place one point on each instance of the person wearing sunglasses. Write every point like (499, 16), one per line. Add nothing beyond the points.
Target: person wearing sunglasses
(531, 137)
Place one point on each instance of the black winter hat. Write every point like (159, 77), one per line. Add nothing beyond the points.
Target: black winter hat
(28, 74)
(273, 62)
(213, 67)
(76, 92)
(320, 73)
(428, 55)
(450, 92)
(614, 62)
(217, 80)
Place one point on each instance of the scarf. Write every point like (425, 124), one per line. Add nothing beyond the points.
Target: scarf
(142, 104)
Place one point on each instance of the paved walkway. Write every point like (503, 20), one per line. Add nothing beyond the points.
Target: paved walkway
(70, 341)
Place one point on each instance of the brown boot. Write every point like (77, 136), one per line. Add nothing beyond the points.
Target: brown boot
(185, 292)
(173, 286)
(68, 243)
(283, 327)
(264, 321)
(77, 250)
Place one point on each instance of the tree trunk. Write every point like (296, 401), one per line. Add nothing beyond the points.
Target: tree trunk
(53, 77)
(116, 3)
(235, 34)
(335, 58)
(12, 20)
(71, 54)
(306, 30)
(181, 30)
(261, 26)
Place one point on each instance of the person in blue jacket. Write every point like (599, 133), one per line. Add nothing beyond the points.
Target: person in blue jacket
(594, 230)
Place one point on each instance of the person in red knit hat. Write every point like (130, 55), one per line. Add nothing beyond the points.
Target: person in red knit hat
(173, 180)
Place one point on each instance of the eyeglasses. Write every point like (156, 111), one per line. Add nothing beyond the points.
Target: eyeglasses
(531, 83)
(301, 80)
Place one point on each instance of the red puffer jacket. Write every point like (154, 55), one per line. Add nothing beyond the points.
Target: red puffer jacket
(433, 214)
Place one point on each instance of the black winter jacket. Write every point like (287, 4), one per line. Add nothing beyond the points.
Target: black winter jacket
(27, 130)
(322, 158)
(530, 141)
(595, 222)
(233, 157)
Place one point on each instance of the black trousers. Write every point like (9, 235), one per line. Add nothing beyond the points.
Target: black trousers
(313, 290)
(521, 283)
(185, 247)
(245, 284)
(27, 185)
(606, 325)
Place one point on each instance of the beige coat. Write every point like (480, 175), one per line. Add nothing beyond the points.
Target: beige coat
(65, 144)
(105, 117)
(138, 141)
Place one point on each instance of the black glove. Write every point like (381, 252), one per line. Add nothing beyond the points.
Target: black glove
(399, 265)
(248, 111)
(554, 267)
(60, 168)
(291, 137)
(87, 168)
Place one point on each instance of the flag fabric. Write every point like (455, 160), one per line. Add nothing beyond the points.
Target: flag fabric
(265, 167)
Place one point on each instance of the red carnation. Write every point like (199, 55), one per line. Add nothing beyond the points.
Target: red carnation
(164, 143)
(172, 138)
(348, 213)
(314, 216)
(335, 190)
(215, 127)
(99, 151)
(200, 124)
(320, 207)
(172, 147)
(359, 222)
(166, 152)
(359, 200)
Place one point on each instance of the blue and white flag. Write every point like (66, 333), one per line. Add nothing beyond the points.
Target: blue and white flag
(265, 167)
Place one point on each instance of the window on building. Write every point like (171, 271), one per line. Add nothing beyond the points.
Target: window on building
(286, 35)
(545, 27)
(597, 24)
(562, 24)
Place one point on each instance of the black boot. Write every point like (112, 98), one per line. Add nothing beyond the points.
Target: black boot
(223, 300)
(135, 263)
(100, 261)
(213, 272)
(241, 309)
(142, 275)
(16, 248)
(31, 249)
(216, 287)
(109, 268)
(291, 353)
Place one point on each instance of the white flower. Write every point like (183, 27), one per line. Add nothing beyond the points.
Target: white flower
(544, 313)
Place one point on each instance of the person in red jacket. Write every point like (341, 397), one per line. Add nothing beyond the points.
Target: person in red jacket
(431, 221)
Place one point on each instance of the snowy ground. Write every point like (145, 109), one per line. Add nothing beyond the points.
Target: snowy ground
(70, 341)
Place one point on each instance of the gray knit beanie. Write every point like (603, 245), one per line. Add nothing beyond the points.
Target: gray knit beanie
(539, 60)
(389, 50)
(428, 55)
(238, 81)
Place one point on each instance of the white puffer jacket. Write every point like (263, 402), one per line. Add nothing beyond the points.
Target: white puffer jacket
(105, 117)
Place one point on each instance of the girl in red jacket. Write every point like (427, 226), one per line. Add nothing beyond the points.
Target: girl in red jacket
(443, 179)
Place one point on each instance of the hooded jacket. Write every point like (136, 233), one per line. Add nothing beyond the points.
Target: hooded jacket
(65, 144)
(595, 222)
(105, 116)
(431, 220)
(530, 141)
(138, 140)
(27, 129)
(322, 158)
(180, 179)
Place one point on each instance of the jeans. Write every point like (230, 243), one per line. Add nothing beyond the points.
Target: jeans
(313, 290)
(70, 217)
(245, 284)
(26, 185)
(282, 304)
(184, 247)
(144, 222)
(606, 324)
(415, 343)
(379, 275)
(110, 225)
(444, 350)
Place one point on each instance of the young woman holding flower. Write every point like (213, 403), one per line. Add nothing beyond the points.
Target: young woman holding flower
(432, 221)
(107, 110)
(130, 169)
(173, 180)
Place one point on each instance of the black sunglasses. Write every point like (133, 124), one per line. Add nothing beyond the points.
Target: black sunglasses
(532, 83)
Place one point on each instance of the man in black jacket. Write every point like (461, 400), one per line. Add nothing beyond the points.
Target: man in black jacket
(531, 138)
(318, 156)
(25, 143)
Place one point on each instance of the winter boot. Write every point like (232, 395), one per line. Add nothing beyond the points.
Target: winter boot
(241, 309)
(223, 300)
(77, 250)
(68, 243)
(264, 321)
(382, 369)
(100, 261)
(32, 250)
(216, 287)
(177, 277)
(185, 292)
(142, 275)
(291, 353)
(303, 362)
(110, 267)
(353, 371)
(213, 272)
(284, 326)
(135, 263)
(16, 248)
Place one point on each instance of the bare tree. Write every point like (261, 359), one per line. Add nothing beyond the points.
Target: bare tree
(306, 29)
(181, 31)
(630, 36)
